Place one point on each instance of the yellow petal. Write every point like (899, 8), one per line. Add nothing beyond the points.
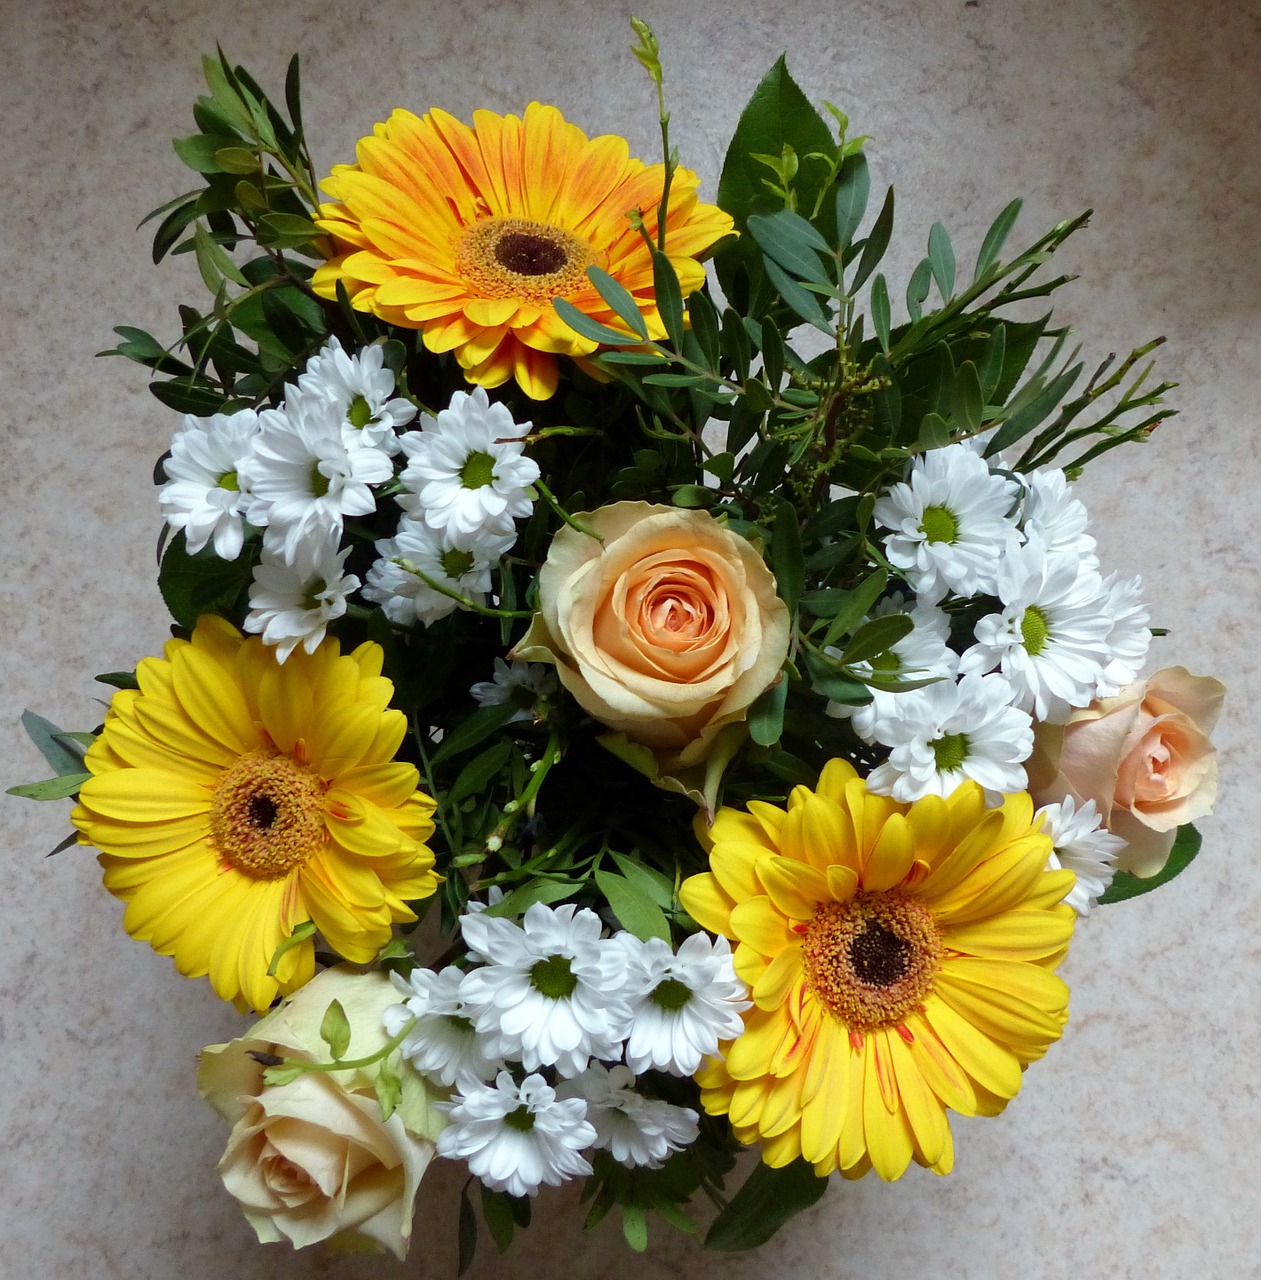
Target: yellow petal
(144, 796)
(704, 899)
(780, 976)
(990, 1065)
(797, 890)
(756, 921)
(888, 1132)
(924, 1112)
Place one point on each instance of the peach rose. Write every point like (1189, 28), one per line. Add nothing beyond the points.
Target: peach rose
(1144, 758)
(666, 627)
(313, 1159)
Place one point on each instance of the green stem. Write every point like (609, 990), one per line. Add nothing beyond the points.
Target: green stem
(350, 1064)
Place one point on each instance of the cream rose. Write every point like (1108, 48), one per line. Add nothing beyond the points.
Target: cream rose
(1144, 758)
(313, 1159)
(665, 627)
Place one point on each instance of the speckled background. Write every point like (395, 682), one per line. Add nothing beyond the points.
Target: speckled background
(1131, 1152)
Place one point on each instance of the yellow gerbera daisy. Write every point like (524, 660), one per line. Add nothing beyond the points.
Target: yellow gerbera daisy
(234, 798)
(900, 961)
(468, 235)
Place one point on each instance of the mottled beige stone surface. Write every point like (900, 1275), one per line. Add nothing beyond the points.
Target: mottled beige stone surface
(1131, 1152)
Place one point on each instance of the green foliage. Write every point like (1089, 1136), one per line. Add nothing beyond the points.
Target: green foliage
(1125, 886)
(768, 1198)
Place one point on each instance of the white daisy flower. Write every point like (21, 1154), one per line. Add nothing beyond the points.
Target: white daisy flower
(1082, 846)
(950, 522)
(204, 494)
(525, 683)
(1050, 641)
(443, 1043)
(303, 480)
(466, 469)
(922, 654)
(293, 603)
(515, 1138)
(463, 563)
(362, 388)
(1130, 637)
(946, 733)
(1056, 518)
(550, 991)
(681, 1005)
(636, 1131)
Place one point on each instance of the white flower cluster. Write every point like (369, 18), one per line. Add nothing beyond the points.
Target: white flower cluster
(551, 994)
(299, 470)
(966, 538)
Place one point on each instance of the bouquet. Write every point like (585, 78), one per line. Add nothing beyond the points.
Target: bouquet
(632, 697)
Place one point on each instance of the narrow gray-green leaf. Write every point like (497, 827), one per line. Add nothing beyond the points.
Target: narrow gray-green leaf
(792, 242)
(669, 298)
(995, 238)
(766, 715)
(620, 299)
(941, 255)
(59, 788)
(967, 402)
(581, 323)
(635, 910)
(917, 288)
(801, 300)
(881, 314)
(852, 191)
(877, 242)
(876, 637)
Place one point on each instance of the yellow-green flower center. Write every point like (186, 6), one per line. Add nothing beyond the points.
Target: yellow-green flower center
(359, 413)
(670, 995)
(230, 482)
(456, 563)
(478, 471)
(554, 977)
(519, 258)
(950, 751)
(872, 960)
(1034, 630)
(267, 815)
(520, 1118)
(938, 524)
(319, 481)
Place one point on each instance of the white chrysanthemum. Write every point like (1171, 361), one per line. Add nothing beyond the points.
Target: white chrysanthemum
(681, 1005)
(515, 1138)
(950, 523)
(466, 467)
(303, 480)
(1050, 641)
(293, 603)
(636, 1131)
(1130, 637)
(945, 733)
(204, 494)
(1082, 846)
(550, 991)
(922, 654)
(443, 1043)
(1056, 518)
(525, 683)
(462, 564)
(362, 388)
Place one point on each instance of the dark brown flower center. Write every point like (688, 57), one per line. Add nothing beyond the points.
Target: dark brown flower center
(532, 262)
(528, 254)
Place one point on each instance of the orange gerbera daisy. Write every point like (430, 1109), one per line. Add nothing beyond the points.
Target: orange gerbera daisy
(233, 798)
(468, 235)
(900, 962)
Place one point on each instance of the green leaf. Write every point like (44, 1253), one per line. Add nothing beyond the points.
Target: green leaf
(917, 288)
(665, 283)
(238, 160)
(1035, 412)
(787, 558)
(581, 323)
(335, 1030)
(45, 735)
(995, 238)
(990, 370)
(389, 1087)
(881, 315)
(214, 263)
(467, 1231)
(286, 230)
(647, 879)
(71, 839)
(278, 1077)
(497, 1210)
(767, 1200)
(766, 715)
(860, 601)
(777, 113)
(300, 934)
(636, 912)
(201, 583)
(474, 728)
(59, 788)
(876, 637)
(934, 432)
(620, 299)
(1125, 886)
(293, 91)
(479, 771)
(704, 320)
(967, 402)
(853, 189)
(941, 256)
(693, 496)
(772, 354)
(792, 242)
(198, 151)
(200, 399)
(635, 1227)
(801, 300)
(171, 228)
(876, 243)
(520, 900)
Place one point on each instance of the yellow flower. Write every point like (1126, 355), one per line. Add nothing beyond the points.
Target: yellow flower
(900, 961)
(234, 798)
(468, 235)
